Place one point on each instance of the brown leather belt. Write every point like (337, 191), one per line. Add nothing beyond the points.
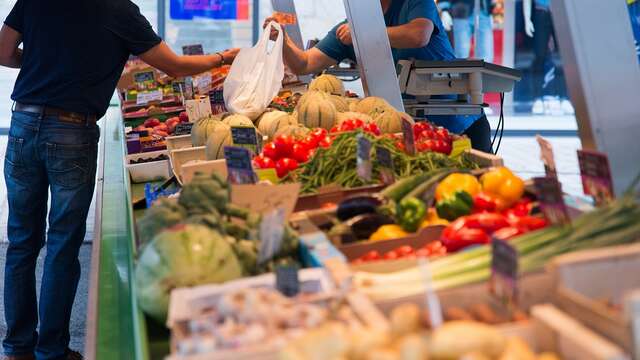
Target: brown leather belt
(62, 115)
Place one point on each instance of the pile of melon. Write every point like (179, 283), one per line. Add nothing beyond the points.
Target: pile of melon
(323, 106)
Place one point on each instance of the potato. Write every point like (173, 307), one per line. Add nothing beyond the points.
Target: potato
(457, 338)
(412, 347)
(517, 349)
(405, 319)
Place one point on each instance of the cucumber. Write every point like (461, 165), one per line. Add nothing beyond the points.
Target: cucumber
(421, 189)
(402, 187)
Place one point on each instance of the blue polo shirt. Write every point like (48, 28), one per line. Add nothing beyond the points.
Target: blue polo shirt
(439, 48)
(74, 53)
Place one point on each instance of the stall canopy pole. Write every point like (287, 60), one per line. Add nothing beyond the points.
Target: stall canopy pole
(373, 52)
(256, 21)
(161, 18)
(603, 77)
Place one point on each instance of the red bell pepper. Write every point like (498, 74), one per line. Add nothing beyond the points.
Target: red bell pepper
(483, 202)
(529, 223)
(508, 232)
(472, 230)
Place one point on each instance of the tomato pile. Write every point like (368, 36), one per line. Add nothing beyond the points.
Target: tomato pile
(429, 137)
(355, 124)
(285, 153)
(430, 250)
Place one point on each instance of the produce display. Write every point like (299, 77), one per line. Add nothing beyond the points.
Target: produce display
(614, 224)
(199, 238)
(145, 160)
(408, 338)
(155, 127)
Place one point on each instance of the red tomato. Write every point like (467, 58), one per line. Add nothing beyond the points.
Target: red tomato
(300, 153)
(418, 128)
(433, 246)
(442, 133)
(447, 148)
(357, 123)
(440, 146)
(325, 142)
(404, 250)
(400, 146)
(358, 261)
(430, 144)
(264, 162)
(310, 142)
(391, 255)
(371, 256)
(427, 134)
(348, 125)
(284, 145)
(285, 166)
(335, 129)
(372, 128)
(269, 150)
(422, 146)
(318, 134)
(423, 253)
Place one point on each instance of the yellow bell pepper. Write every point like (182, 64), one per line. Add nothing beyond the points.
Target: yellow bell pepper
(433, 219)
(502, 184)
(457, 182)
(388, 232)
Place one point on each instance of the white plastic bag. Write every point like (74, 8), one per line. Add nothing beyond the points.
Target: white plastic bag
(256, 76)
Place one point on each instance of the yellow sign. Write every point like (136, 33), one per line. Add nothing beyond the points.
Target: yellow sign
(460, 146)
(267, 175)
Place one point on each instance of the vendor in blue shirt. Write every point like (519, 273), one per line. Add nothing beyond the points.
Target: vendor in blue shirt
(415, 32)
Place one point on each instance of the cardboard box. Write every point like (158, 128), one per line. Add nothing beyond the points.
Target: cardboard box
(149, 171)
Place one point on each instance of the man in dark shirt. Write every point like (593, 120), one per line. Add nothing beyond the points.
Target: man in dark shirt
(72, 57)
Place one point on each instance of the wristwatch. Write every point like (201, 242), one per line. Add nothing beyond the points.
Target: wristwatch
(221, 58)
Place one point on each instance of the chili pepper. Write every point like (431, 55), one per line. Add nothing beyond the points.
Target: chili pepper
(411, 212)
(483, 202)
(457, 182)
(455, 206)
(503, 185)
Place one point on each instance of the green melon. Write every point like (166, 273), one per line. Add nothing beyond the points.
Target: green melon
(217, 140)
(389, 121)
(317, 113)
(238, 121)
(328, 84)
(270, 122)
(202, 128)
(339, 102)
(308, 96)
(371, 105)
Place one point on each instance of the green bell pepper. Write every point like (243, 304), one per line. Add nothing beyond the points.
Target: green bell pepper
(456, 205)
(411, 213)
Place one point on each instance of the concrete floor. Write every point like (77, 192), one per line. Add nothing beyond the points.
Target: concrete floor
(79, 313)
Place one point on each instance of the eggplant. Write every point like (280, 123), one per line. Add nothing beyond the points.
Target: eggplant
(357, 205)
(362, 226)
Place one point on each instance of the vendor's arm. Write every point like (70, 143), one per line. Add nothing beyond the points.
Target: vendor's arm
(415, 34)
(164, 59)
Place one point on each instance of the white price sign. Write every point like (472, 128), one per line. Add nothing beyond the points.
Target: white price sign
(146, 97)
(198, 109)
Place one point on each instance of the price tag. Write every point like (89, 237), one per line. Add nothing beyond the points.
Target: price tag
(144, 77)
(431, 298)
(364, 166)
(202, 83)
(183, 129)
(596, 176)
(146, 97)
(409, 138)
(503, 283)
(285, 18)
(383, 157)
(216, 97)
(551, 200)
(246, 137)
(269, 175)
(460, 146)
(195, 49)
(188, 88)
(198, 109)
(177, 86)
(287, 280)
(239, 165)
(271, 234)
(546, 155)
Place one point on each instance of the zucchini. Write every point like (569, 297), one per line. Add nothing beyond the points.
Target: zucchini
(402, 187)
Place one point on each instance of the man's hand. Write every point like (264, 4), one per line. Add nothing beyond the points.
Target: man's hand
(274, 31)
(344, 34)
(229, 55)
(10, 54)
(529, 28)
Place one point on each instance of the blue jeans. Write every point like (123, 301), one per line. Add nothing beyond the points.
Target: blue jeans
(45, 154)
(463, 31)
(634, 14)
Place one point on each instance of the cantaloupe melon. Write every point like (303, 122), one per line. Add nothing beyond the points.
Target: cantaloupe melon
(217, 140)
(329, 84)
(297, 131)
(352, 115)
(238, 120)
(339, 102)
(202, 128)
(308, 96)
(372, 105)
(389, 121)
(270, 122)
(317, 112)
(353, 103)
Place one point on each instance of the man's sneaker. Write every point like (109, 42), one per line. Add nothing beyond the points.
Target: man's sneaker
(19, 357)
(74, 355)
(538, 107)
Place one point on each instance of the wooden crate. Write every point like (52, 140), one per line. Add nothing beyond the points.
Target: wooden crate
(582, 281)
